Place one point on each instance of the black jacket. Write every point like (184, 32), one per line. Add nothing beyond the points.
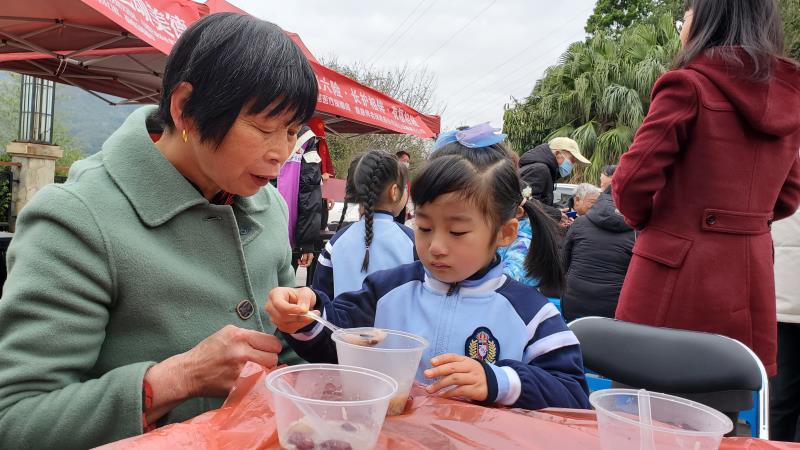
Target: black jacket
(538, 168)
(597, 251)
(309, 202)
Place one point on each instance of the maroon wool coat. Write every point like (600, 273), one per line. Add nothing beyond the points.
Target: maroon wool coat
(714, 163)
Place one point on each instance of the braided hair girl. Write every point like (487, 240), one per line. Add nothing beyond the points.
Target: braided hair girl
(378, 183)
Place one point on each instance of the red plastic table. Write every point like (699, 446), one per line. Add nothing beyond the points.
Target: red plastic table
(246, 421)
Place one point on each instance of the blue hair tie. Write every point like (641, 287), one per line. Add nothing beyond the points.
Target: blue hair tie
(482, 135)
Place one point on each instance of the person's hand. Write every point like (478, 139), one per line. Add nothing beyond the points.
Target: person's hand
(330, 204)
(209, 369)
(566, 221)
(214, 364)
(466, 375)
(285, 307)
(305, 260)
(325, 176)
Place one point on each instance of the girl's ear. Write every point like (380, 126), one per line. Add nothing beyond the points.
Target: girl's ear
(394, 194)
(507, 233)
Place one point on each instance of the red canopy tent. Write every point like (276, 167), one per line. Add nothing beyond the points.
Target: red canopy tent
(119, 47)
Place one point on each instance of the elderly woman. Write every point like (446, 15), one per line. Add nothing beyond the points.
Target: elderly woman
(585, 196)
(135, 289)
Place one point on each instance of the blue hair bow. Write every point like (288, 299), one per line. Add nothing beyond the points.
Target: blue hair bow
(481, 135)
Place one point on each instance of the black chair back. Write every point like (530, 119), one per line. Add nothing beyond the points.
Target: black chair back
(708, 368)
(665, 359)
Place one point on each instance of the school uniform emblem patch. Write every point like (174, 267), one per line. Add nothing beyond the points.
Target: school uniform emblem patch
(482, 345)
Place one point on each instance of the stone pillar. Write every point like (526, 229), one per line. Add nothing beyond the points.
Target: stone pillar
(37, 169)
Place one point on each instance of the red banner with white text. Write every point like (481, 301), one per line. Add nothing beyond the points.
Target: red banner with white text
(345, 97)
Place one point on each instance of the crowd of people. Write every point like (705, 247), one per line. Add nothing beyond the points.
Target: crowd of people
(138, 289)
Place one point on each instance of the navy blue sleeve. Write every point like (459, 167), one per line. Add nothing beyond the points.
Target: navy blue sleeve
(357, 309)
(551, 371)
(349, 310)
(313, 342)
(323, 274)
(553, 380)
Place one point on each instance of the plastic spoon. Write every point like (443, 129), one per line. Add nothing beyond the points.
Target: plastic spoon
(365, 338)
(646, 421)
(317, 423)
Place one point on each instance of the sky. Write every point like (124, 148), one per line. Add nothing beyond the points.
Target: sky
(482, 53)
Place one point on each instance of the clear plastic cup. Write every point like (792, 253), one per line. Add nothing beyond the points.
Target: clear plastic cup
(669, 423)
(329, 406)
(397, 355)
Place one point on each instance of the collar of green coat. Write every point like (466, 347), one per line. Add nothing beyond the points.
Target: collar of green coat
(155, 188)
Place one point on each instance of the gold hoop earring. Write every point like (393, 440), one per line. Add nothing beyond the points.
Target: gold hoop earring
(185, 136)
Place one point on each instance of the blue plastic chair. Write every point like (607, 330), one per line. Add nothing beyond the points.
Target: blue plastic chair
(596, 382)
(557, 302)
(750, 416)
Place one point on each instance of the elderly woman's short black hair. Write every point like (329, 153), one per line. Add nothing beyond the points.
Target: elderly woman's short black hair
(236, 61)
(608, 170)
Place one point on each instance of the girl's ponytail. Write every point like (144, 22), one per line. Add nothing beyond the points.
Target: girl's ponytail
(367, 179)
(543, 260)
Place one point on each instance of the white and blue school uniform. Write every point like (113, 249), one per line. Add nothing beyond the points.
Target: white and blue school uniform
(531, 358)
(339, 265)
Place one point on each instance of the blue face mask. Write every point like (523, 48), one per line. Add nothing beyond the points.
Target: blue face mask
(565, 168)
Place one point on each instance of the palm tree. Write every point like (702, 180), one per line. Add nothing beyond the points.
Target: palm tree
(790, 11)
(598, 93)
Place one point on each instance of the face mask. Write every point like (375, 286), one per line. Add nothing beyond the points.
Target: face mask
(565, 168)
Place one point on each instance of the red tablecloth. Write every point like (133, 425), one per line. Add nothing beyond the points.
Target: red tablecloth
(246, 421)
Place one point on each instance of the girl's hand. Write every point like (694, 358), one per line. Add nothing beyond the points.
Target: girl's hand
(209, 369)
(286, 307)
(305, 260)
(465, 374)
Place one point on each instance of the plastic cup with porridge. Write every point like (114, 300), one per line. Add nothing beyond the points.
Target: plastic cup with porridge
(329, 406)
(397, 355)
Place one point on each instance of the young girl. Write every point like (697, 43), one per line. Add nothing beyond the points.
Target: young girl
(493, 339)
(513, 256)
(377, 182)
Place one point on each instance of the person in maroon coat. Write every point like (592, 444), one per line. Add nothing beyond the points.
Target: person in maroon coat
(713, 165)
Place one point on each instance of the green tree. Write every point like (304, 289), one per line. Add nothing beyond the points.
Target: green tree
(612, 16)
(598, 94)
(790, 12)
(9, 108)
(415, 88)
(70, 145)
(9, 124)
